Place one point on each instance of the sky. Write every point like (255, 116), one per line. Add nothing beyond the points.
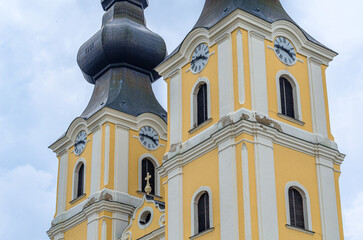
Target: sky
(42, 90)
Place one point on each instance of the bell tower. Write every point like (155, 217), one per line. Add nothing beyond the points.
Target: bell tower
(120, 137)
(250, 152)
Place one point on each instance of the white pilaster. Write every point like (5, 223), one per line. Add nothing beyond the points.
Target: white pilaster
(107, 153)
(258, 73)
(228, 190)
(122, 159)
(96, 160)
(120, 222)
(104, 230)
(62, 183)
(246, 193)
(327, 198)
(175, 108)
(317, 98)
(240, 65)
(225, 76)
(175, 204)
(92, 227)
(266, 189)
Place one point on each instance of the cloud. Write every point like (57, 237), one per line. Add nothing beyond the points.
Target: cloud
(28, 203)
(353, 220)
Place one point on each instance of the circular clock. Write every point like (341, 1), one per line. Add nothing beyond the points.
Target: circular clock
(285, 51)
(80, 143)
(200, 58)
(149, 138)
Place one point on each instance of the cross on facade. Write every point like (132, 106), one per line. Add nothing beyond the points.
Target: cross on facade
(148, 187)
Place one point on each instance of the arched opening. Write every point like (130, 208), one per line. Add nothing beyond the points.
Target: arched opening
(148, 167)
(296, 208)
(202, 104)
(203, 213)
(287, 98)
(79, 179)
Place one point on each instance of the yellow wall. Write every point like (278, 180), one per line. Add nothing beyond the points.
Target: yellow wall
(323, 70)
(188, 81)
(107, 217)
(337, 192)
(201, 172)
(291, 165)
(79, 232)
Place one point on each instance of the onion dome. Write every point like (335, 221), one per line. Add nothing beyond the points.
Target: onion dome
(124, 40)
(120, 60)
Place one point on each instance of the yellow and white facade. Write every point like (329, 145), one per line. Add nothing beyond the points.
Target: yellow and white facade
(245, 156)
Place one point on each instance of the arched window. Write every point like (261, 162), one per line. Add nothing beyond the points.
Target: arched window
(203, 213)
(79, 179)
(148, 167)
(202, 104)
(296, 207)
(80, 189)
(202, 216)
(287, 98)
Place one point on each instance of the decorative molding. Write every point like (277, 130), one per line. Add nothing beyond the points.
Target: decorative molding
(245, 121)
(111, 116)
(105, 200)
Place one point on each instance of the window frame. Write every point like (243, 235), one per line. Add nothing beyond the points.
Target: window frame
(306, 204)
(194, 102)
(295, 94)
(157, 177)
(77, 166)
(194, 209)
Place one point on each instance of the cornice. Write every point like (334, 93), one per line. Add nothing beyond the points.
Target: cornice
(105, 200)
(112, 116)
(253, 124)
(251, 23)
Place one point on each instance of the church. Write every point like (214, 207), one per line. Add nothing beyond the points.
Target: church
(244, 150)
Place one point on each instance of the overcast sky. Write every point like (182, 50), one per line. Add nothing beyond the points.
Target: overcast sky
(42, 90)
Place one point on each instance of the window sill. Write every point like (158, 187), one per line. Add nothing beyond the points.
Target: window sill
(291, 119)
(200, 126)
(144, 193)
(299, 229)
(77, 199)
(201, 233)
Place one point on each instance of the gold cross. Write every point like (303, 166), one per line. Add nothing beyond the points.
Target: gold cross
(148, 187)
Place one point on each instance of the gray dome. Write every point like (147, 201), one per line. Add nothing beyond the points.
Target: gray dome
(124, 40)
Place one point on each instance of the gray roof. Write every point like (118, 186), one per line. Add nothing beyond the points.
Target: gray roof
(268, 10)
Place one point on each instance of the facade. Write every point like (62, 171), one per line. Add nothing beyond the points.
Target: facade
(245, 150)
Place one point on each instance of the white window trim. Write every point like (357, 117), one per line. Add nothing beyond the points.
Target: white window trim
(194, 208)
(157, 177)
(306, 204)
(296, 93)
(75, 177)
(193, 101)
(146, 209)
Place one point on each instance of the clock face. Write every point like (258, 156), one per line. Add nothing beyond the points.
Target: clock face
(80, 142)
(200, 58)
(285, 51)
(149, 138)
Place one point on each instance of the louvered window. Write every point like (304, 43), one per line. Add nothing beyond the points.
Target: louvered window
(203, 213)
(148, 167)
(202, 104)
(80, 187)
(296, 209)
(287, 98)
